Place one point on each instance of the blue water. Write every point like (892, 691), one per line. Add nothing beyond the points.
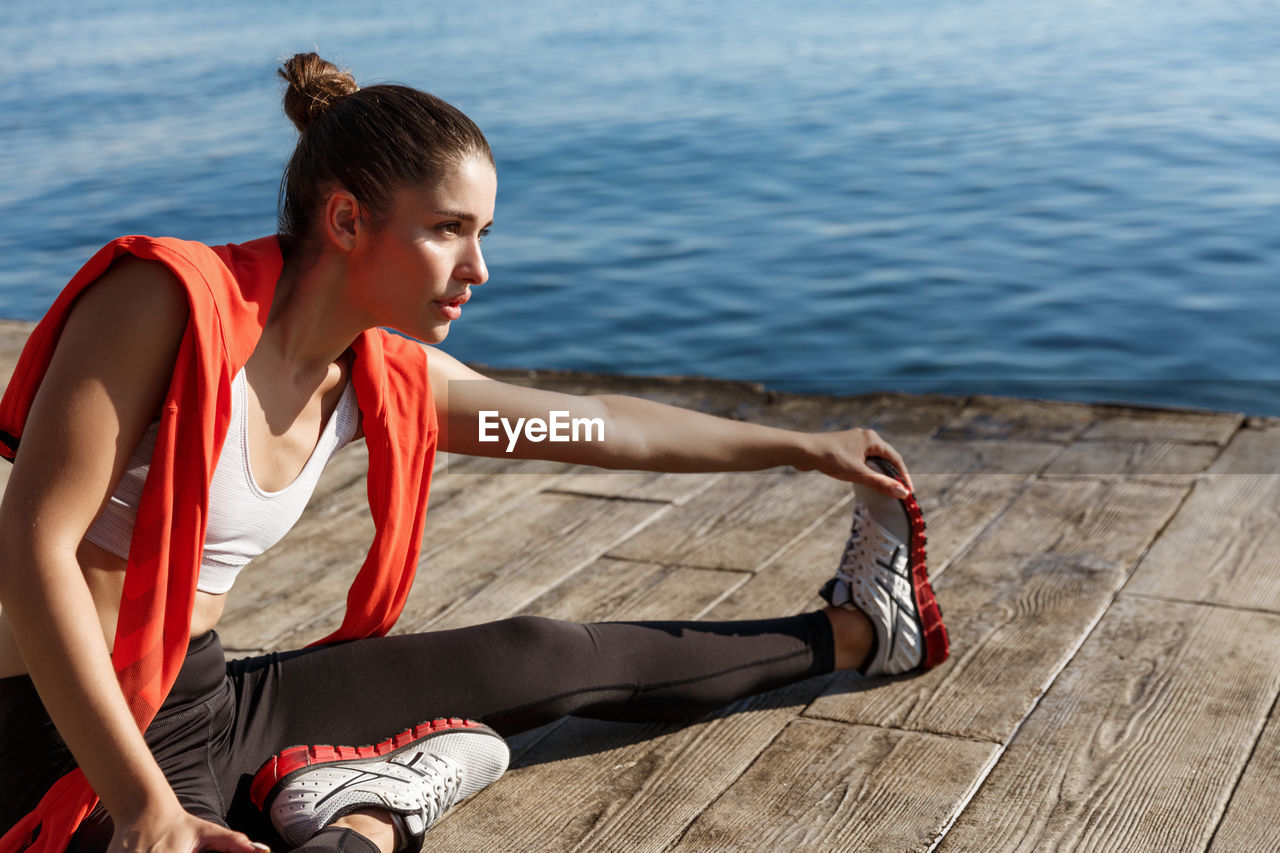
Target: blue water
(1072, 199)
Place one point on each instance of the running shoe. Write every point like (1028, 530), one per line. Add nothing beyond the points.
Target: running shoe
(886, 579)
(415, 776)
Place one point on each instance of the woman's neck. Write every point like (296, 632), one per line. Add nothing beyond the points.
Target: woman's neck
(312, 321)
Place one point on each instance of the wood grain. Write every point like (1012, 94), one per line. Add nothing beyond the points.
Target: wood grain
(831, 787)
(1224, 544)
(610, 589)
(1017, 603)
(636, 485)
(1139, 743)
(491, 570)
(1124, 423)
(904, 419)
(808, 411)
(740, 523)
(593, 786)
(1148, 461)
(957, 505)
(1250, 823)
(1011, 418)
(510, 560)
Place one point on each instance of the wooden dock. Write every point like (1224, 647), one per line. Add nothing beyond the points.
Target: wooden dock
(1110, 578)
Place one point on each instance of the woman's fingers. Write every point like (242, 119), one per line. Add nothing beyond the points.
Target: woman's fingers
(883, 449)
(183, 832)
(872, 445)
(844, 455)
(882, 483)
(215, 837)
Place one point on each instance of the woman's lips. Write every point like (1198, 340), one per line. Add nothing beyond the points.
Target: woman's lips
(452, 308)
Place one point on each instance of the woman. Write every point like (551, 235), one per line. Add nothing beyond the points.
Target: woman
(167, 422)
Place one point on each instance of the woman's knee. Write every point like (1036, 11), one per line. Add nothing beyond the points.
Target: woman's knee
(546, 639)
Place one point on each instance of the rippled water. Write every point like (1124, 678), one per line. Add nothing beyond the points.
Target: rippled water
(1065, 199)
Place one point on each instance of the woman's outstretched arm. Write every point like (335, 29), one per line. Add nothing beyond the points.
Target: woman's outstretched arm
(106, 382)
(482, 417)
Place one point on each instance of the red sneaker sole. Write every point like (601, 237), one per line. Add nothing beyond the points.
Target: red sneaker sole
(936, 643)
(279, 766)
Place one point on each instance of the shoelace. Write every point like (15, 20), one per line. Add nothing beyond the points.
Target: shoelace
(848, 562)
(442, 793)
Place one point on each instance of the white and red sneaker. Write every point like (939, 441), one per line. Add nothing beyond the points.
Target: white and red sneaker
(886, 579)
(415, 776)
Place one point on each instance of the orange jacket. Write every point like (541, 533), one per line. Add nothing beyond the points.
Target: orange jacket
(229, 289)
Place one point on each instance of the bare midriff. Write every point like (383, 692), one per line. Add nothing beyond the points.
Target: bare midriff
(104, 574)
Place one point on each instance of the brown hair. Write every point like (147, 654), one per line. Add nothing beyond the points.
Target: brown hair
(369, 141)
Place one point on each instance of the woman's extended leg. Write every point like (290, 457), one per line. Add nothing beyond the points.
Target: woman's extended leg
(513, 675)
(522, 672)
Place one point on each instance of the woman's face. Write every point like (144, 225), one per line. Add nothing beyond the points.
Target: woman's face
(417, 270)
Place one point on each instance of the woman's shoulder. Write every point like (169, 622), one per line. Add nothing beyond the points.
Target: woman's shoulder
(259, 256)
(232, 282)
(136, 290)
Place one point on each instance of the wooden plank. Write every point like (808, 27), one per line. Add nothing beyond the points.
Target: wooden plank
(1250, 823)
(1224, 545)
(1138, 744)
(1150, 461)
(503, 565)
(904, 419)
(1252, 451)
(595, 786)
(1123, 423)
(790, 583)
(597, 591)
(808, 412)
(962, 485)
(1017, 604)
(610, 589)
(957, 506)
(829, 787)
(636, 485)
(740, 522)
(1010, 418)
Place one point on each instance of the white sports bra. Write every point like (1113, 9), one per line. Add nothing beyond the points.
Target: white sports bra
(244, 520)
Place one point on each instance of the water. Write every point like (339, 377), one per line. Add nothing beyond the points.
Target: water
(1062, 199)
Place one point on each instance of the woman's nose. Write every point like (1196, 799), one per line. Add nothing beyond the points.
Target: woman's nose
(471, 267)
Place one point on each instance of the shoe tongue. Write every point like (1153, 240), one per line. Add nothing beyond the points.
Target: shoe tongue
(408, 829)
(885, 511)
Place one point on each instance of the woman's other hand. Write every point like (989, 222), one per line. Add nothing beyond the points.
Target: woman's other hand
(174, 830)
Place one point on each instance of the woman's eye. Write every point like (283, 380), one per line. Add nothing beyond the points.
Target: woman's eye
(450, 227)
(484, 232)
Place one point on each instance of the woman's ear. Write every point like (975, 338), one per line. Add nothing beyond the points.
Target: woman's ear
(343, 222)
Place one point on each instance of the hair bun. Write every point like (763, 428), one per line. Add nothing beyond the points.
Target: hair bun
(314, 85)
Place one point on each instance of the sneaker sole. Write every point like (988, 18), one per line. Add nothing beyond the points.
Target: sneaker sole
(936, 643)
(282, 766)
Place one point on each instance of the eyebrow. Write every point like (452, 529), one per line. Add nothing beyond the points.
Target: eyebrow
(459, 214)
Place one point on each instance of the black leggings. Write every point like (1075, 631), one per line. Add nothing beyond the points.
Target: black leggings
(222, 720)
